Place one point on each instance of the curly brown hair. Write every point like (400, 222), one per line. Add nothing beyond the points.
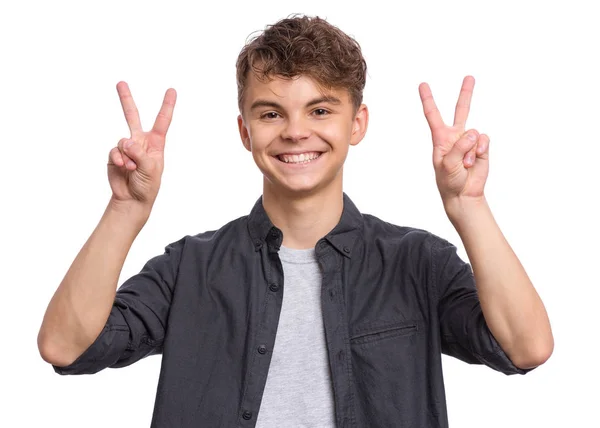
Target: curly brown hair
(302, 45)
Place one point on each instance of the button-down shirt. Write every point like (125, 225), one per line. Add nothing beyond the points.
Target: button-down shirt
(393, 300)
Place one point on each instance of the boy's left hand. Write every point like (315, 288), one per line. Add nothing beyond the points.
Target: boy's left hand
(461, 163)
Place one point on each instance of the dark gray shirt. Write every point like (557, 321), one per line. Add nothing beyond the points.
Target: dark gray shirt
(393, 300)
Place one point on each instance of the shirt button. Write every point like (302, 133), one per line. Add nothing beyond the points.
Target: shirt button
(346, 250)
(274, 287)
(262, 349)
(247, 415)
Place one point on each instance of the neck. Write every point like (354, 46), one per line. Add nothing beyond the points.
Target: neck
(304, 219)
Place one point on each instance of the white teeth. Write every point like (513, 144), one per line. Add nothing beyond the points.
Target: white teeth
(301, 158)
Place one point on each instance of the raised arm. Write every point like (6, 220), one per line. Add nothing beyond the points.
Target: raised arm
(511, 306)
(82, 303)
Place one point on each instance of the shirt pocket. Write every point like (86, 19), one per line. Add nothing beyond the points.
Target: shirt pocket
(392, 378)
(379, 331)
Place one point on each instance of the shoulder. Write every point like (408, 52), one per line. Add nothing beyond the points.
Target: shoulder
(378, 230)
(232, 233)
(409, 244)
(205, 248)
(380, 235)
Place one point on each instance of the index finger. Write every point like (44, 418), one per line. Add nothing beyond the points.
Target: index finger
(432, 114)
(463, 105)
(130, 110)
(163, 119)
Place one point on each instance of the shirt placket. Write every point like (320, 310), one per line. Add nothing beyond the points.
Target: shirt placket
(336, 333)
(261, 349)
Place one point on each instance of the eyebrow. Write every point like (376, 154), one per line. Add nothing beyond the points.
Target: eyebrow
(325, 99)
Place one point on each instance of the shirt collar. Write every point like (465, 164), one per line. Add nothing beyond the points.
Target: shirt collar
(342, 237)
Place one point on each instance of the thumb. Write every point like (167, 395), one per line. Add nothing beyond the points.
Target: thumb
(465, 144)
(137, 154)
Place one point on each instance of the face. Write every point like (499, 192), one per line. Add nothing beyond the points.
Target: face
(299, 135)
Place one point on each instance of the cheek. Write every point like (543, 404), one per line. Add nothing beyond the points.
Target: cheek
(336, 134)
(261, 136)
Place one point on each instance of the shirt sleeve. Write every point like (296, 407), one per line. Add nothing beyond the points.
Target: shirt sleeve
(464, 332)
(137, 322)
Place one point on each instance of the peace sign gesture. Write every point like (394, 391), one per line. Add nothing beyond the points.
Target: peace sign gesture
(135, 166)
(460, 158)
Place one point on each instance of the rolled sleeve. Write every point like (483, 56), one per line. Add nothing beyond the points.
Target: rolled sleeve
(137, 323)
(464, 331)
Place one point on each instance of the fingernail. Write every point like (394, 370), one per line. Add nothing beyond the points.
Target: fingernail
(128, 144)
(471, 136)
(469, 158)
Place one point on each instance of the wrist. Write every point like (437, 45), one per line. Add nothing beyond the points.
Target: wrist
(463, 210)
(128, 212)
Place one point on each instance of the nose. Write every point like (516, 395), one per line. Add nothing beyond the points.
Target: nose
(297, 128)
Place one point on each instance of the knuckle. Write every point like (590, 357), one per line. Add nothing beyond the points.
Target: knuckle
(447, 165)
(113, 156)
(125, 96)
(431, 110)
(464, 144)
(469, 137)
(163, 116)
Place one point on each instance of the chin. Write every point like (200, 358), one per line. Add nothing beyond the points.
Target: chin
(300, 189)
(303, 190)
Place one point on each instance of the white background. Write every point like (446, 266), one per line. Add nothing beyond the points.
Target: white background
(536, 95)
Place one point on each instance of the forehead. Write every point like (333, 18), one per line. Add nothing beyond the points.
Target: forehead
(298, 89)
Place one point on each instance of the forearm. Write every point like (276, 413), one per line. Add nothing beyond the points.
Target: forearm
(511, 306)
(82, 303)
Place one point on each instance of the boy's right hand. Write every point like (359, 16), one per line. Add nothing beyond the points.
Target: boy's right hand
(135, 166)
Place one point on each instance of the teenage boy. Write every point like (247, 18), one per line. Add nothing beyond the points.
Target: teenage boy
(305, 312)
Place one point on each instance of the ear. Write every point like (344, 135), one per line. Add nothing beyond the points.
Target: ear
(244, 135)
(359, 125)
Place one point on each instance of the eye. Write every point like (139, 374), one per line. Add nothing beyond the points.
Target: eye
(320, 112)
(270, 115)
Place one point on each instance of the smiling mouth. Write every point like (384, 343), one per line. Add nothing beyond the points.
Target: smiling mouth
(299, 158)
